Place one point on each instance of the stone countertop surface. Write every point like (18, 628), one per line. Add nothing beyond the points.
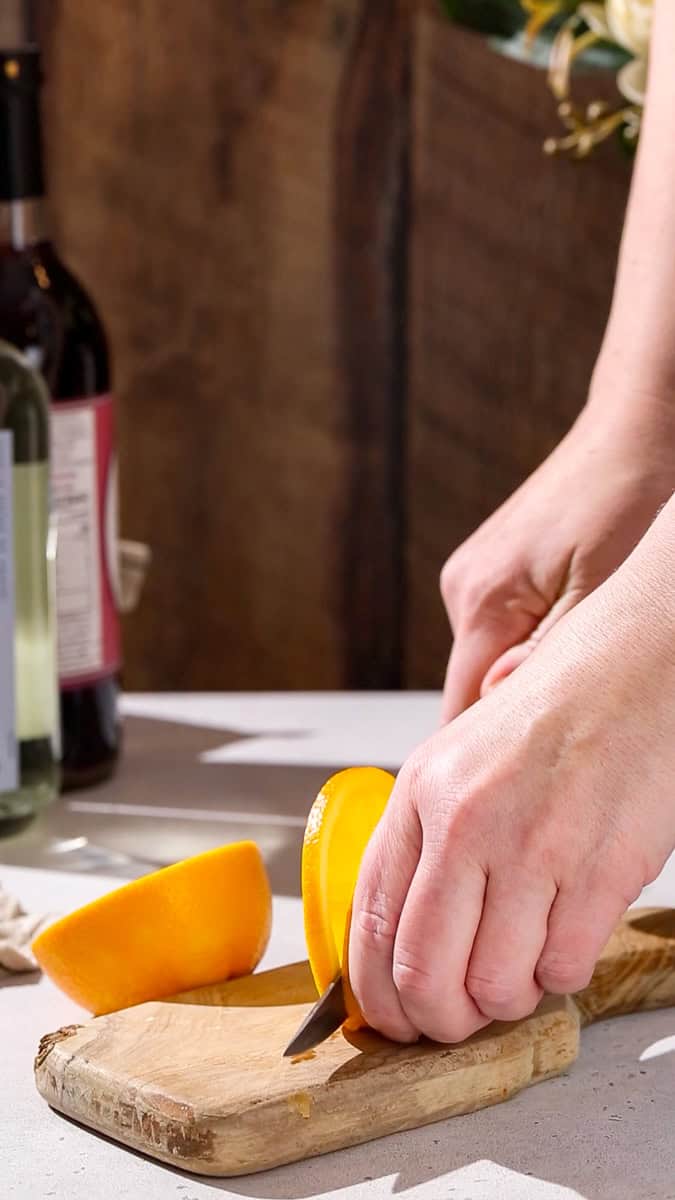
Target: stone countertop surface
(204, 769)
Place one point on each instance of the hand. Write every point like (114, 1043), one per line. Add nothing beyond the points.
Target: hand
(517, 836)
(556, 539)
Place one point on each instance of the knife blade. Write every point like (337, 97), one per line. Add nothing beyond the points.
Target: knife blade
(327, 1015)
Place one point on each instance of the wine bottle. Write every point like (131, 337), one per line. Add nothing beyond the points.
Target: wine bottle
(46, 313)
(29, 714)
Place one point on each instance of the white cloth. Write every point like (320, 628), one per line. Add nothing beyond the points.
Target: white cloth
(17, 930)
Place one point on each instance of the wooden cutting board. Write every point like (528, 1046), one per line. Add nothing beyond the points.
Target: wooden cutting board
(200, 1082)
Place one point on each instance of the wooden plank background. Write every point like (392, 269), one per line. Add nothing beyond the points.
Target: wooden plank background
(351, 306)
(512, 262)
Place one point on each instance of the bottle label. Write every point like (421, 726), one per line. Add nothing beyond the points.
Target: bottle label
(9, 757)
(84, 488)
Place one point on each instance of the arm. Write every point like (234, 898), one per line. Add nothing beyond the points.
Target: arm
(578, 517)
(639, 344)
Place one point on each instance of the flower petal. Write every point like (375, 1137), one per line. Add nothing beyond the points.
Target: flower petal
(596, 19)
(632, 81)
(630, 22)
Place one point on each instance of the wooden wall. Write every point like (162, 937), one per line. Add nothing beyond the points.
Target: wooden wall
(351, 306)
(512, 262)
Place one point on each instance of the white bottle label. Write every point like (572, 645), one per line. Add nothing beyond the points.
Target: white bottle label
(84, 497)
(9, 751)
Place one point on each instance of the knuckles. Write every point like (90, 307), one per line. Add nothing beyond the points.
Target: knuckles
(413, 982)
(500, 1000)
(426, 1002)
(462, 591)
(414, 778)
(454, 798)
(473, 594)
(374, 925)
(423, 1000)
(423, 780)
(561, 974)
(384, 1020)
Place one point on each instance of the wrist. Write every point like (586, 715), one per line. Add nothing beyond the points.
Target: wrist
(661, 536)
(650, 575)
(632, 385)
(630, 400)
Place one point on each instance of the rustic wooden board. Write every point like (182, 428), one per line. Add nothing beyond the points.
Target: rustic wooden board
(200, 1081)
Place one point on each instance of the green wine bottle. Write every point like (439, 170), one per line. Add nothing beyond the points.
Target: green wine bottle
(29, 720)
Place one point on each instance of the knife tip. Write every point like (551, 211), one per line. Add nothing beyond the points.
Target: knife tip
(323, 1019)
(297, 1051)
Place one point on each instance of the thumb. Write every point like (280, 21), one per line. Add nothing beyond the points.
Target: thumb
(506, 664)
(511, 659)
(474, 651)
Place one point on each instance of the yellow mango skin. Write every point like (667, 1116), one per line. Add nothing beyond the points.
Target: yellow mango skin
(340, 824)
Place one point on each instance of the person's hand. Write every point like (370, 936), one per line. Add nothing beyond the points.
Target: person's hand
(560, 535)
(518, 835)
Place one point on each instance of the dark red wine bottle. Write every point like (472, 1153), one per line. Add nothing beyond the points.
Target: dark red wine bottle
(45, 312)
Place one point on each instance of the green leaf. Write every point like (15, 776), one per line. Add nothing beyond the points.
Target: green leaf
(604, 56)
(501, 18)
(627, 143)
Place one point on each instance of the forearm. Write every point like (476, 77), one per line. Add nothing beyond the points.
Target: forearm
(646, 581)
(638, 353)
(657, 553)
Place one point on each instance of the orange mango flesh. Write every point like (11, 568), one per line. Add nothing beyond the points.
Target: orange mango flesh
(339, 827)
(197, 922)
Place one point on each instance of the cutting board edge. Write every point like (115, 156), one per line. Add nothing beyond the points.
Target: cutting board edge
(205, 1145)
(218, 1170)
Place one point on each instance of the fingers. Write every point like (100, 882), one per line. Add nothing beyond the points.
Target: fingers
(387, 869)
(486, 621)
(433, 945)
(511, 936)
(512, 658)
(580, 925)
(472, 655)
(506, 664)
(496, 625)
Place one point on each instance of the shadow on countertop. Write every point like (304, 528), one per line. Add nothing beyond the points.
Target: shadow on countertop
(165, 804)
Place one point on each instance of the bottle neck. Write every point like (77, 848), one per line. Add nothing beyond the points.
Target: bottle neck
(23, 223)
(21, 169)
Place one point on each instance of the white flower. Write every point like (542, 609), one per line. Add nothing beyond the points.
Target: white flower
(632, 80)
(630, 22)
(596, 18)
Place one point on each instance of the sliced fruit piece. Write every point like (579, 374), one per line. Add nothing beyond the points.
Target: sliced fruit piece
(197, 922)
(338, 830)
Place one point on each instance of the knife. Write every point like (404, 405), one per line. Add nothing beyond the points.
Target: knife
(327, 1015)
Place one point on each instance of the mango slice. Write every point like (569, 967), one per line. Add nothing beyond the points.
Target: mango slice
(197, 922)
(339, 827)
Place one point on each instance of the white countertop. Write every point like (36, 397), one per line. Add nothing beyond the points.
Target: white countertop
(605, 1131)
